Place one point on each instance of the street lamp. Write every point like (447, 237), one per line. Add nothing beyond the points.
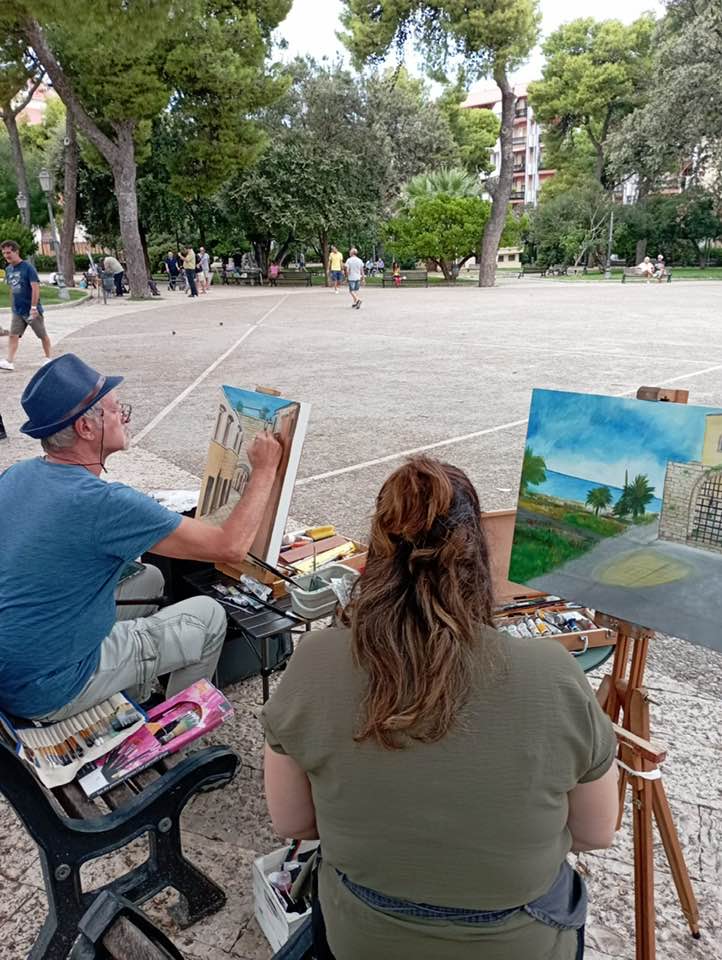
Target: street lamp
(46, 183)
(24, 206)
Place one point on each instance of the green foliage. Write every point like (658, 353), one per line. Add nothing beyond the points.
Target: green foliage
(441, 228)
(485, 33)
(683, 117)
(538, 550)
(14, 230)
(676, 226)
(570, 227)
(475, 131)
(635, 497)
(603, 526)
(533, 470)
(449, 181)
(595, 74)
(599, 499)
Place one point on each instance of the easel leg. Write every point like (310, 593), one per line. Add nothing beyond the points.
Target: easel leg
(670, 839)
(638, 717)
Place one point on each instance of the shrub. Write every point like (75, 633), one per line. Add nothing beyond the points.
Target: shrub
(14, 230)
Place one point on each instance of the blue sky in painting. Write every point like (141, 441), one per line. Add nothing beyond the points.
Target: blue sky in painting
(598, 438)
(254, 403)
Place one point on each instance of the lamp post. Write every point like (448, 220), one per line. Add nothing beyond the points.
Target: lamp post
(46, 183)
(24, 207)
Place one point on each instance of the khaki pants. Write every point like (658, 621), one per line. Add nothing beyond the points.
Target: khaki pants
(183, 640)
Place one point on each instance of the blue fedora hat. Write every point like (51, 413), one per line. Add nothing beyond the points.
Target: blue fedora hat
(60, 392)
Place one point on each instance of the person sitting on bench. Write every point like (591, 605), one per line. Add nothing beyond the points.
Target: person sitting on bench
(67, 535)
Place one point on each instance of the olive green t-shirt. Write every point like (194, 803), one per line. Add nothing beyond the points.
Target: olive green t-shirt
(476, 820)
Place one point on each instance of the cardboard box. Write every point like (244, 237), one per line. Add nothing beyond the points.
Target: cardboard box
(499, 529)
(277, 925)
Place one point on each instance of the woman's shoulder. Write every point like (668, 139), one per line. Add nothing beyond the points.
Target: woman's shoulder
(537, 660)
(322, 651)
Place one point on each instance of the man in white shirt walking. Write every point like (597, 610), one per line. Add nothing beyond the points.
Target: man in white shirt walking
(354, 269)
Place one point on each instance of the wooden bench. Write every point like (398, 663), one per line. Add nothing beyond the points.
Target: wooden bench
(71, 830)
(298, 277)
(238, 276)
(630, 274)
(532, 271)
(408, 277)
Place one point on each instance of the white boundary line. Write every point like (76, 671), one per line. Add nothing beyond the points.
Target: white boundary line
(206, 373)
(467, 436)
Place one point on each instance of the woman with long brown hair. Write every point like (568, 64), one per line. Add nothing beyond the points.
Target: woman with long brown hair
(447, 768)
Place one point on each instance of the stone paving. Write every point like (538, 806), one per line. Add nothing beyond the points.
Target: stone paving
(414, 369)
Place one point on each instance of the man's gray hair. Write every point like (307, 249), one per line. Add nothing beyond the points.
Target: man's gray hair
(66, 437)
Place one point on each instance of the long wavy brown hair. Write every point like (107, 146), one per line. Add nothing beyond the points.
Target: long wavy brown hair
(419, 608)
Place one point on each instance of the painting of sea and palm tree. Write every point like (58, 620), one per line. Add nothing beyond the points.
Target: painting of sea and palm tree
(620, 508)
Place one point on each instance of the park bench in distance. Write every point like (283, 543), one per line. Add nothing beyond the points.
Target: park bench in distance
(298, 277)
(71, 830)
(529, 270)
(630, 274)
(407, 277)
(250, 276)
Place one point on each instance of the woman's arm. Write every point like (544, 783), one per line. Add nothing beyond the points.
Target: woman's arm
(289, 797)
(593, 812)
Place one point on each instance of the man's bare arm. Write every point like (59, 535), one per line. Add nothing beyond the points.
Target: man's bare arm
(230, 542)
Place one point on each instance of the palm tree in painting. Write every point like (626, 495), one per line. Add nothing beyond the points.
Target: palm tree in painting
(533, 470)
(599, 499)
(639, 493)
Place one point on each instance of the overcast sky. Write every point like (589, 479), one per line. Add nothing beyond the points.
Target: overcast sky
(311, 26)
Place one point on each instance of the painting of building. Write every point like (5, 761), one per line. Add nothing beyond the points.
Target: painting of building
(620, 509)
(241, 415)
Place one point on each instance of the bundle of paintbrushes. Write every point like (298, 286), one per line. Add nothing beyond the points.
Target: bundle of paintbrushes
(57, 751)
(169, 727)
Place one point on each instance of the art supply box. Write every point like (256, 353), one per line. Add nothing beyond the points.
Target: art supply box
(316, 603)
(272, 918)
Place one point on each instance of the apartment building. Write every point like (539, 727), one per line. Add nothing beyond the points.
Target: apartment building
(529, 171)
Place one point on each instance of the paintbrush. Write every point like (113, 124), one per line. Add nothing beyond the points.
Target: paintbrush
(271, 569)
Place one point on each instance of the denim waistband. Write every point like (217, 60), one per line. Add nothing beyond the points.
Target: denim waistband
(563, 906)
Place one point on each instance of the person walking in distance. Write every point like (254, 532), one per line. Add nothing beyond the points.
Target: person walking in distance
(354, 269)
(206, 274)
(27, 311)
(170, 265)
(335, 266)
(114, 266)
(189, 266)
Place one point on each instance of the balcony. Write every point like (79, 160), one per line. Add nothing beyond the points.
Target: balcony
(517, 194)
(519, 168)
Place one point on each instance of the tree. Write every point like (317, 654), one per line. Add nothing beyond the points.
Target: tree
(572, 226)
(120, 68)
(475, 131)
(681, 125)
(595, 74)
(533, 470)
(635, 497)
(450, 181)
(492, 36)
(20, 77)
(442, 228)
(599, 499)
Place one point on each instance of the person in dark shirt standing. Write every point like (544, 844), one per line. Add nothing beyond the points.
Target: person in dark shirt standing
(26, 308)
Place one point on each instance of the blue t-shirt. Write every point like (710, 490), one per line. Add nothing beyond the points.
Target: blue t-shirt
(20, 277)
(66, 536)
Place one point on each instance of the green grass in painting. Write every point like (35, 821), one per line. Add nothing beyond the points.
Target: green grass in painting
(538, 550)
(603, 526)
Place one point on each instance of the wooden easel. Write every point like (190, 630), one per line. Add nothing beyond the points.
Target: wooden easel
(623, 697)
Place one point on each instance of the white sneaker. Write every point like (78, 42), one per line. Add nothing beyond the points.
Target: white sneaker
(6, 365)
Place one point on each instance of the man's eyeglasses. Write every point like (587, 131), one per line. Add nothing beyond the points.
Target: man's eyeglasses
(125, 410)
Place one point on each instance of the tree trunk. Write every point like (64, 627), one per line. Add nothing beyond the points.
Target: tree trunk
(124, 176)
(502, 193)
(70, 197)
(16, 149)
(640, 251)
(323, 237)
(119, 154)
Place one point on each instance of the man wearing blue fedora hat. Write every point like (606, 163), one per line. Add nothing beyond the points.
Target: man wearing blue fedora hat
(61, 647)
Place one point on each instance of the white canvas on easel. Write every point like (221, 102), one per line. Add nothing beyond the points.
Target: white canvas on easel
(241, 415)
